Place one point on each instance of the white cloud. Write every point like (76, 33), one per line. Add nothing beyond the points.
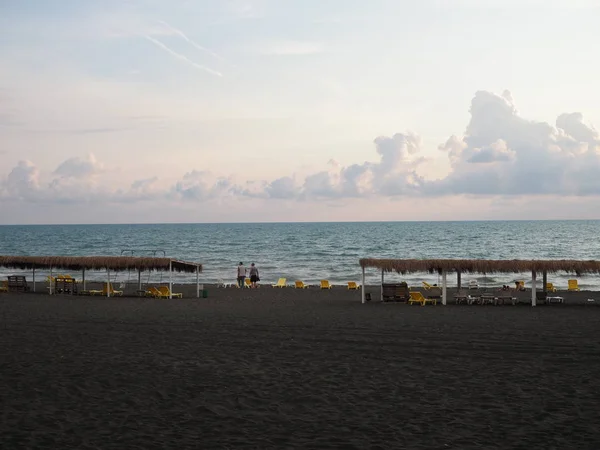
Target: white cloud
(79, 167)
(23, 181)
(500, 154)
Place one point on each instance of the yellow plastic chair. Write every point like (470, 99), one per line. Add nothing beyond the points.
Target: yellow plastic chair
(417, 297)
(325, 284)
(247, 283)
(108, 288)
(153, 292)
(4, 286)
(280, 283)
(520, 285)
(573, 285)
(550, 287)
(300, 284)
(427, 286)
(166, 293)
(353, 285)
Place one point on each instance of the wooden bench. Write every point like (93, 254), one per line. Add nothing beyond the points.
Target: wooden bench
(17, 283)
(397, 292)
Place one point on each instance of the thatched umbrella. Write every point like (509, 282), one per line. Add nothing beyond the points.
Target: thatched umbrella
(443, 266)
(108, 263)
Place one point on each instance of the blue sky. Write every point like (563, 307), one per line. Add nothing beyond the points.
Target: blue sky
(257, 110)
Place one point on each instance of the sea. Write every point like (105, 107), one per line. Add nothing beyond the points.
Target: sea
(314, 251)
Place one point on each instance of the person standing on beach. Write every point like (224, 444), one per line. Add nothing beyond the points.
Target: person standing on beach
(241, 274)
(254, 277)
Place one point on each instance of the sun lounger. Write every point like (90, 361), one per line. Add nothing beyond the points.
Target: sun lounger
(166, 293)
(155, 293)
(506, 298)
(550, 287)
(487, 298)
(427, 286)
(280, 283)
(461, 297)
(108, 288)
(417, 297)
(300, 284)
(353, 285)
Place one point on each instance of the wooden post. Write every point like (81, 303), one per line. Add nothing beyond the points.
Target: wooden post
(170, 279)
(83, 278)
(139, 280)
(533, 288)
(108, 284)
(362, 287)
(33, 278)
(458, 280)
(197, 281)
(381, 285)
(444, 287)
(545, 280)
(50, 281)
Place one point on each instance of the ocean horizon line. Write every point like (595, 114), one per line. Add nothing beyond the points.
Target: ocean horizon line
(298, 222)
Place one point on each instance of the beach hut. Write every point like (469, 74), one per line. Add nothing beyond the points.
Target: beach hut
(445, 266)
(108, 263)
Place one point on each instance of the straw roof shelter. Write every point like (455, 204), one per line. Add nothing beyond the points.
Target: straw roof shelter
(108, 263)
(444, 266)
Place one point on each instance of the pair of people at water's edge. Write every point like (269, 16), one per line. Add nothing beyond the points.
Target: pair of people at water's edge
(254, 275)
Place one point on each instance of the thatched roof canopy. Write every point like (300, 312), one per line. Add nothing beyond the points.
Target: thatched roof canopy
(481, 265)
(116, 263)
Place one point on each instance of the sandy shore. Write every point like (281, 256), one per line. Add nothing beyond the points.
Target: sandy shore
(284, 368)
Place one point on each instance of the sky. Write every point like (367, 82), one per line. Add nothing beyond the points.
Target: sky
(146, 111)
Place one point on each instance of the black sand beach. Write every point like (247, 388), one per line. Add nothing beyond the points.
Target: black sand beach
(284, 368)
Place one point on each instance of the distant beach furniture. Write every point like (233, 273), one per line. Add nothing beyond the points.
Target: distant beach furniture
(473, 284)
(417, 297)
(550, 287)
(154, 292)
(17, 283)
(108, 263)
(353, 285)
(573, 285)
(109, 291)
(4, 286)
(325, 284)
(427, 286)
(247, 283)
(222, 284)
(164, 290)
(280, 283)
(397, 292)
(520, 284)
(300, 284)
(484, 266)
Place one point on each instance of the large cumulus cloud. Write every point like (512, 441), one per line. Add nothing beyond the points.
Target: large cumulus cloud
(502, 153)
(499, 154)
